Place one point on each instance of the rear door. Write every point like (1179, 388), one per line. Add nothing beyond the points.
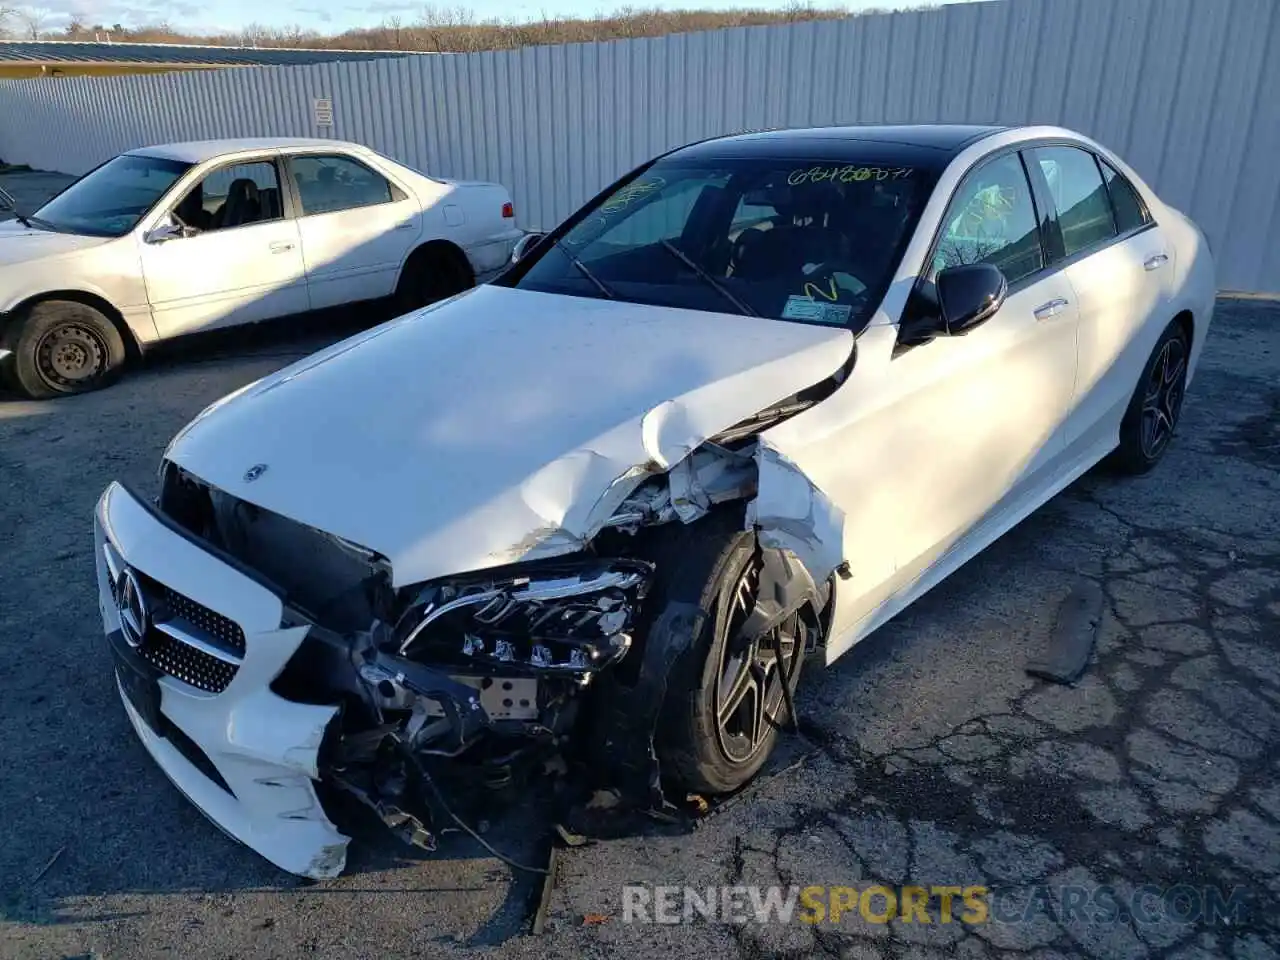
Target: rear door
(1120, 266)
(357, 228)
(240, 260)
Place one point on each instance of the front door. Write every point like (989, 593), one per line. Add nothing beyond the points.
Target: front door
(945, 439)
(239, 260)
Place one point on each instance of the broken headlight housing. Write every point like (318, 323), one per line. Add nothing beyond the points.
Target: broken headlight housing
(569, 618)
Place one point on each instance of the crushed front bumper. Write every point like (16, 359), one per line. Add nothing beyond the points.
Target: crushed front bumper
(196, 643)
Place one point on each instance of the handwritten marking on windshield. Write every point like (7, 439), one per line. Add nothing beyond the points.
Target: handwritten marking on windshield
(846, 174)
(632, 191)
(811, 288)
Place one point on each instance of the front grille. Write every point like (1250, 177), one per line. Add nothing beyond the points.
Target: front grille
(224, 631)
(173, 656)
(189, 664)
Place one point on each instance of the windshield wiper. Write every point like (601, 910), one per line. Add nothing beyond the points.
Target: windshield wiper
(708, 278)
(31, 222)
(586, 272)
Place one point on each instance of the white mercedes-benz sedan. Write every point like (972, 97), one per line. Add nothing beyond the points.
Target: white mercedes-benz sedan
(184, 238)
(746, 405)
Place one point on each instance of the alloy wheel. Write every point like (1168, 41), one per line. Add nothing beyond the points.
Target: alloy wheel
(749, 697)
(1162, 398)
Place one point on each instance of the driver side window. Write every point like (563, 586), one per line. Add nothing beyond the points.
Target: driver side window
(232, 196)
(992, 219)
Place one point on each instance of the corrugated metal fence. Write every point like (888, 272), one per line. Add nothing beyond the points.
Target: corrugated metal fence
(1188, 91)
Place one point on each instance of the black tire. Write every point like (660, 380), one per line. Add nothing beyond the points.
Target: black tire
(62, 347)
(710, 564)
(1154, 410)
(429, 275)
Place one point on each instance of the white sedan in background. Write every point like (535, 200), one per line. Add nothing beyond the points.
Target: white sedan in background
(171, 240)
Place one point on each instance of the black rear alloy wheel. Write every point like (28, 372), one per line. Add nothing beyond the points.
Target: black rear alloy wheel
(63, 347)
(1156, 405)
(1162, 397)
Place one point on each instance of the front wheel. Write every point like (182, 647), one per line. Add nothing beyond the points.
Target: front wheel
(725, 700)
(1156, 405)
(63, 347)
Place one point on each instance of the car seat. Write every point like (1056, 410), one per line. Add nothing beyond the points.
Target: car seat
(244, 204)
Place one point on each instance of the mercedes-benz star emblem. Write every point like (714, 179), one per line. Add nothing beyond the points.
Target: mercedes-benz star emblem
(254, 472)
(134, 617)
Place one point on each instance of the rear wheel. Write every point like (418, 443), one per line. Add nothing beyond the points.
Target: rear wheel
(725, 700)
(63, 347)
(1156, 405)
(432, 273)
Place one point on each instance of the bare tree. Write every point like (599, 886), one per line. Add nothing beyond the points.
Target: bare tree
(252, 35)
(394, 26)
(295, 35)
(33, 20)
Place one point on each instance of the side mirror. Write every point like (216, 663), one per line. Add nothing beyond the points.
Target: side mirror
(969, 295)
(524, 245)
(166, 231)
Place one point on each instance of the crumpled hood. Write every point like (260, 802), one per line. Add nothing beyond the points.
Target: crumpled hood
(502, 425)
(19, 244)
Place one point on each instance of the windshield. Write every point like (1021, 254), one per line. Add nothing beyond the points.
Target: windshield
(109, 201)
(812, 241)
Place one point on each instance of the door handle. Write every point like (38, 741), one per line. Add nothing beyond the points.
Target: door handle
(407, 225)
(1155, 262)
(281, 246)
(1050, 309)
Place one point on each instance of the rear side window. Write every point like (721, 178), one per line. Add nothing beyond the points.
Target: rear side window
(992, 220)
(327, 184)
(1130, 211)
(1084, 209)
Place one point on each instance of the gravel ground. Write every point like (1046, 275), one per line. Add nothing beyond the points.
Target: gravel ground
(927, 755)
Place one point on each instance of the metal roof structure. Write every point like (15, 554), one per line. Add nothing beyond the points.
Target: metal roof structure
(70, 51)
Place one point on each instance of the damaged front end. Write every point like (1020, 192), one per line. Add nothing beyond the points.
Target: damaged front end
(450, 691)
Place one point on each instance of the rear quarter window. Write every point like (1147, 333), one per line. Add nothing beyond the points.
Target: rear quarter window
(1131, 213)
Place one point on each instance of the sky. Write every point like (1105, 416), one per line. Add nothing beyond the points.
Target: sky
(333, 16)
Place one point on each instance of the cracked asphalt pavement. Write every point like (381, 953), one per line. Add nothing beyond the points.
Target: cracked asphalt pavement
(927, 756)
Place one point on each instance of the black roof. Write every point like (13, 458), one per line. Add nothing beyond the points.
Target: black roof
(920, 145)
(66, 51)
